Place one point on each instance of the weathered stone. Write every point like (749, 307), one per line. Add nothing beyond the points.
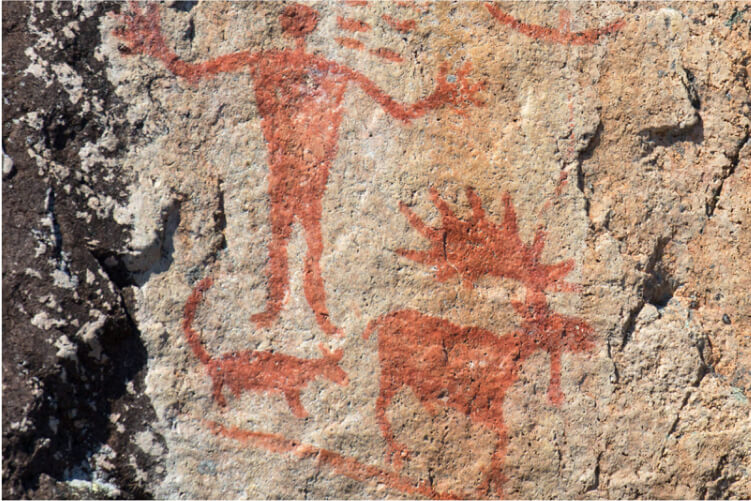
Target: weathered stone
(377, 249)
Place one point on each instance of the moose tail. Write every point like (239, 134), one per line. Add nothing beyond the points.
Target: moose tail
(190, 314)
(372, 326)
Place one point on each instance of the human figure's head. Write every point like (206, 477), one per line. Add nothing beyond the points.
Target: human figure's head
(298, 20)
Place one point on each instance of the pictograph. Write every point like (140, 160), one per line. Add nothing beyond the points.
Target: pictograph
(259, 371)
(561, 35)
(299, 97)
(467, 368)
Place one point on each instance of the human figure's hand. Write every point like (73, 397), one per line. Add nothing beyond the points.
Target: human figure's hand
(460, 91)
(141, 31)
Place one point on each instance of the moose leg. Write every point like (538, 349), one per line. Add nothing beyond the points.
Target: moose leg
(217, 385)
(495, 477)
(397, 451)
(313, 284)
(295, 404)
(281, 216)
(554, 388)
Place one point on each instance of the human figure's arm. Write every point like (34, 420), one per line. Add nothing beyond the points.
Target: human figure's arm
(459, 94)
(142, 34)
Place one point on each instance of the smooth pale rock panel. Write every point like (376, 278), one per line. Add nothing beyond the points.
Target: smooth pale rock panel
(383, 250)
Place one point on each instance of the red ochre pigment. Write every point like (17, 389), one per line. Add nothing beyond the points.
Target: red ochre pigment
(467, 368)
(478, 247)
(399, 25)
(562, 35)
(259, 371)
(339, 464)
(299, 97)
(349, 24)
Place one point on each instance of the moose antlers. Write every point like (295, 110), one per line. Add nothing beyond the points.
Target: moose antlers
(477, 246)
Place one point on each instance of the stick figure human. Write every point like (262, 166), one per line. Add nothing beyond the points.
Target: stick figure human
(299, 97)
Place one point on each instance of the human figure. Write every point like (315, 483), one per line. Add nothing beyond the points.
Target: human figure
(299, 97)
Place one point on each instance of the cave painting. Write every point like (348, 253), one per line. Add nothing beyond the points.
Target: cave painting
(562, 35)
(260, 371)
(473, 248)
(467, 368)
(299, 97)
(263, 371)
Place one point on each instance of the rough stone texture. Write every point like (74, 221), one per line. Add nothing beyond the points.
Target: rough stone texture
(151, 205)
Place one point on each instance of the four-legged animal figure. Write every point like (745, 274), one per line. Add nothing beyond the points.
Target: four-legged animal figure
(470, 369)
(259, 371)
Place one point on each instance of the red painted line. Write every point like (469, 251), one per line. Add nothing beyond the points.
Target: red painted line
(387, 54)
(341, 465)
(356, 3)
(350, 24)
(564, 37)
(350, 43)
(399, 25)
(383, 53)
(412, 5)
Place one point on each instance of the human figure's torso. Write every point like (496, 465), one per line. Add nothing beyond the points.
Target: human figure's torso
(299, 98)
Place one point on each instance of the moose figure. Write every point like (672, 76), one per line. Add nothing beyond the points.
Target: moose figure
(470, 369)
(260, 371)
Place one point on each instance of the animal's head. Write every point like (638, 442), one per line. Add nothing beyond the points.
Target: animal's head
(551, 331)
(331, 369)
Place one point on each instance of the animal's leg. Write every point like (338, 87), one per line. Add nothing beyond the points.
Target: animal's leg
(277, 270)
(554, 388)
(313, 285)
(217, 386)
(495, 477)
(397, 452)
(295, 404)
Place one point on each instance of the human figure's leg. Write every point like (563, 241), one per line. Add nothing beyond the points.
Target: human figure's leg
(313, 284)
(277, 269)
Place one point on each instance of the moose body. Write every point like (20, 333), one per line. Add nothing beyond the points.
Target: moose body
(465, 368)
(468, 369)
(260, 371)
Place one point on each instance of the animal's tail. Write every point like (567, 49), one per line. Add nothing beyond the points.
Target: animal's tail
(190, 314)
(372, 326)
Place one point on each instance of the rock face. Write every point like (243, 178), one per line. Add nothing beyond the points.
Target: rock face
(371, 249)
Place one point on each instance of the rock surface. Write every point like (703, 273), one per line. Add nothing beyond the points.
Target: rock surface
(375, 249)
